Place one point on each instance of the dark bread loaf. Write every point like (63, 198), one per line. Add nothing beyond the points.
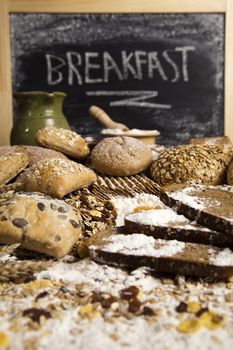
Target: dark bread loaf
(121, 156)
(167, 224)
(200, 164)
(173, 257)
(208, 205)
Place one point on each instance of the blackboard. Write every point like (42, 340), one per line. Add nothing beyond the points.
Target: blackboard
(149, 71)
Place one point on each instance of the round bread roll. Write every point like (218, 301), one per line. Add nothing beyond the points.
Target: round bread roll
(34, 153)
(230, 174)
(121, 156)
(200, 164)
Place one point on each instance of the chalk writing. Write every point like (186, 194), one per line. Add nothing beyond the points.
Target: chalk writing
(77, 68)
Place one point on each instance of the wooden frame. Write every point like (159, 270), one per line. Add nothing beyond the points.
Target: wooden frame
(109, 6)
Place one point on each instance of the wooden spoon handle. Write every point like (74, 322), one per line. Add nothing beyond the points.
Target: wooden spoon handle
(103, 118)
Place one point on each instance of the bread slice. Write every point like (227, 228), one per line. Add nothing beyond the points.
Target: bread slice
(165, 223)
(173, 257)
(208, 205)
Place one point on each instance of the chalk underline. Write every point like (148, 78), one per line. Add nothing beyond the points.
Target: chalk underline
(136, 101)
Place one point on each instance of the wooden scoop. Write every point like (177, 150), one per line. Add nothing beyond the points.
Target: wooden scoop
(103, 118)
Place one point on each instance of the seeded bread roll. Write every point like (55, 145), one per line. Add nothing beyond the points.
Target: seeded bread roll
(56, 177)
(11, 165)
(39, 223)
(230, 174)
(121, 156)
(63, 140)
(210, 140)
(33, 153)
(201, 164)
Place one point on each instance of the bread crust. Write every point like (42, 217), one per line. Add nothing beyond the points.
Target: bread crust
(34, 153)
(210, 140)
(121, 156)
(56, 177)
(39, 223)
(63, 140)
(200, 164)
(11, 165)
(230, 174)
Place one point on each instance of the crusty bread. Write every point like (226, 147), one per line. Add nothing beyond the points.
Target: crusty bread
(159, 255)
(165, 223)
(33, 153)
(56, 177)
(211, 206)
(230, 174)
(39, 223)
(201, 164)
(63, 140)
(121, 156)
(210, 140)
(11, 165)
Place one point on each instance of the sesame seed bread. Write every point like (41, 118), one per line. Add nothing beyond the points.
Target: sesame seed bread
(63, 140)
(165, 223)
(11, 165)
(159, 255)
(121, 156)
(200, 164)
(34, 153)
(211, 206)
(56, 177)
(39, 223)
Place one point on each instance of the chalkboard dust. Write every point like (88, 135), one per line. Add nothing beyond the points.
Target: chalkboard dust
(149, 71)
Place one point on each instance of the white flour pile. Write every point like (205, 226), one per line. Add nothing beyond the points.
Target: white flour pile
(125, 205)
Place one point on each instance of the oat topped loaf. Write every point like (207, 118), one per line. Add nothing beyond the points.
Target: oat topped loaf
(56, 177)
(121, 156)
(63, 140)
(11, 165)
(39, 223)
(201, 164)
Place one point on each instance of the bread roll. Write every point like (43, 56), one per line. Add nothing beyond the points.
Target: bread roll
(11, 165)
(33, 153)
(63, 140)
(39, 223)
(230, 174)
(210, 140)
(201, 164)
(121, 156)
(56, 177)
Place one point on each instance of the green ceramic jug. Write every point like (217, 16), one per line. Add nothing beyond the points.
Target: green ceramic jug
(37, 110)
